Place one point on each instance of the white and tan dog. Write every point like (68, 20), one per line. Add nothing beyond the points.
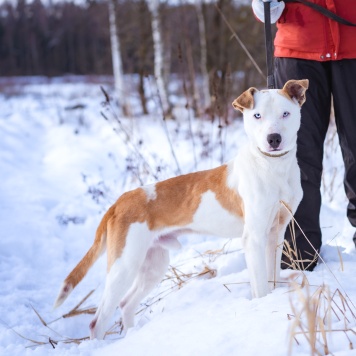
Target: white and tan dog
(239, 199)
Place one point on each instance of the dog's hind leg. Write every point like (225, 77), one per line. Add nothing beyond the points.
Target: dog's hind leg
(124, 266)
(150, 274)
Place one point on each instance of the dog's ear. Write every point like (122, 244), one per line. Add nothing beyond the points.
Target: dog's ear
(296, 89)
(245, 100)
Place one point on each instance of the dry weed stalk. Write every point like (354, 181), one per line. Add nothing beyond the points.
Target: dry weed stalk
(179, 278)
(313, 313)
(291, 252)
(175, 277)
(308, 320)
(317, 255)
(234, 35)
(126, 135)
(330, 182)
(61, 339)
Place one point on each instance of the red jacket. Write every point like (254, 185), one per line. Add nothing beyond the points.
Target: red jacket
(305, 33)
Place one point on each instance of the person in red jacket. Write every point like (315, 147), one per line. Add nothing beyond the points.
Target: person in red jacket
(308, 45)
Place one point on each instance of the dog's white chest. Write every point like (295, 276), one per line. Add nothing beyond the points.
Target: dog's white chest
(211, 218)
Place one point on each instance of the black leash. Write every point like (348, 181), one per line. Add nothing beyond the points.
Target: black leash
(322, 10)
(269, 45)
(268, 32)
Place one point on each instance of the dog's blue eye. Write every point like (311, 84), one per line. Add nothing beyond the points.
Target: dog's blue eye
(257, 116)
(285, 114)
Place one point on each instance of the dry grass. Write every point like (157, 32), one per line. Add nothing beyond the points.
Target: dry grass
(291, 252)
(316, 256)
(174, 280)
(59, 338)
(313, 309)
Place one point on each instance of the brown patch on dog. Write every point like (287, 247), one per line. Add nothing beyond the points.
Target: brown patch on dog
(130, 208)
(227, 197)
(177, 200)
(295, 89)
(175, 205)
(245, 100)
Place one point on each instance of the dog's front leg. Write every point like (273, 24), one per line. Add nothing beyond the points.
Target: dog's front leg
(274, 250)
(254, 245)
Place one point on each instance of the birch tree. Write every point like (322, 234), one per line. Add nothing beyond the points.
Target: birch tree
(203, 54)
(116, 59)
(153, 6)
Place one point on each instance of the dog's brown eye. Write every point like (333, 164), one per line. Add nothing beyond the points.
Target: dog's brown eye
(285, 114)
(257, 116)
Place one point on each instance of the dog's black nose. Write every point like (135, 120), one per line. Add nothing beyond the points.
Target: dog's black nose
(274, 140)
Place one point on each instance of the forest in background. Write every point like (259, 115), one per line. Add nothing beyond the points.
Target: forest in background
(200, 43)
(67, 38)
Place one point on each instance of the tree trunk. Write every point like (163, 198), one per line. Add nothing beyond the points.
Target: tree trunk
(153, 5)
(116, 59)
(142, 53)
(203, 54)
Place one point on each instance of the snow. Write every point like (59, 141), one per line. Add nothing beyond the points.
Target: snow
(62, 165)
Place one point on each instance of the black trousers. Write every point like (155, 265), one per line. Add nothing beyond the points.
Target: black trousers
(326, 79)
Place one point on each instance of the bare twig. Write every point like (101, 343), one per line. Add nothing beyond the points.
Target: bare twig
(234, 34)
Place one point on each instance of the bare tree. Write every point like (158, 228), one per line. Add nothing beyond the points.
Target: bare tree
(116, 59)
(153, 6)
(52, 39)
(203, 54)
(142, 54)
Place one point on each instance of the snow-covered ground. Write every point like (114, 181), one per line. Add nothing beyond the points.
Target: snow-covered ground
(62, 165)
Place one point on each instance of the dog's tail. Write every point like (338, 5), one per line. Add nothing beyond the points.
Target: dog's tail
(81, 269)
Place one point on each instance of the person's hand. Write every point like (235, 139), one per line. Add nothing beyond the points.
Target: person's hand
(276, 7)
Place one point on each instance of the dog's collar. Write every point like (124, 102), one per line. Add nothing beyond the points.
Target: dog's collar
(269, 155)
